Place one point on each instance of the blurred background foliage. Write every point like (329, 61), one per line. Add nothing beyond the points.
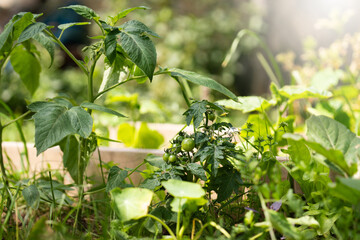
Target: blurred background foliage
(306, 36)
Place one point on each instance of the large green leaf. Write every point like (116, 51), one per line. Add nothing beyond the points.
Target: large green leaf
(47, 43)
(182, 189)
(131, 203)
(27, 66)
(71, 152)
(31, 31)
(116, 178)
(333, 135)
(147, 138)
(55, 122)
(202, 80)
(5, 34)
(83, 11)
(32, 196)
(140, 50)
(100, 108)
(246, 104)
(124, 13)
(326, 78)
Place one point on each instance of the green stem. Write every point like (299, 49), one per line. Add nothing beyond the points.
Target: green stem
(8, 214)
(16, 119)
(183, 91)
(3, 171)
(162, 223)
(77, 62)
(222, 230)
(267, 216)
(91, 79)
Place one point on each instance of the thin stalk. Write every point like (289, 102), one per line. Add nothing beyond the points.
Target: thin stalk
(53, 204)
(101, 167)
(3, 171)
(63, 47)
(8, 214)
(183, 91)
(91, 79)
(267, 217)
(222, 230)
(16, 119)
(178, 221)
(162, 223)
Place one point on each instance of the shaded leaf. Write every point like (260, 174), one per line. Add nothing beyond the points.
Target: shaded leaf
(197, 170)
(47, 43)
(110, 45)
(32, 196)
(70, 147)
(137, 27)
(27, 66)
(116, 178)
(81, 121)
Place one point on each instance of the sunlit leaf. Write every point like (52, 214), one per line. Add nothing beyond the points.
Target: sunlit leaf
(182, 189)
(246, 104)
(83, 11)
(131, 203)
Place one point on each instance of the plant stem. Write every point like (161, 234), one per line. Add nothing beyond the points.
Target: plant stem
(77, 62)
(162, 223)
(16, 119)
(3, 171)
(267, 217)
(91, 79)
(222, 230)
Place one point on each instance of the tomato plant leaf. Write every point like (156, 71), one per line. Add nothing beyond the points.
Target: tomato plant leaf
(124, 13)
(196, 112)
(32, 196)
(83, 11)
(116, 178)
(47, 43)
(202, 80)
(70, 147)
(140, 50)
(136, 27)
(100, 108)
(31, 31)
(27, 66)
(131, 203)
(197, 170)
(52, 124)
(110, 45)
(114, 72)
(226, 182)
(69, 25)
(81, 121)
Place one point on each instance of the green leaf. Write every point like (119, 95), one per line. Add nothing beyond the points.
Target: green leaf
(22, 21)
(140, 50)
(69, 25)
(156, 161)
(150, 183)
(114, 73)
(100, 108)
(32, 196)
(197, 170)
(304, 221)
(47, 43)
(70, 147)
(39, 230)
(38, 105)
(110, 45)
(227, 181)
(299, 152)
(346, 189)
(27, 66)
(116, 178)
(196, 112)
(136, 27)
(5, 34)
(279, 222)
(202, 80)
(31, 31)
(182, 189)
(55, 122)
(81, 121)
(294, 92)
(83, 11)
(124, 13)
(131, 203)
(247, 104)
